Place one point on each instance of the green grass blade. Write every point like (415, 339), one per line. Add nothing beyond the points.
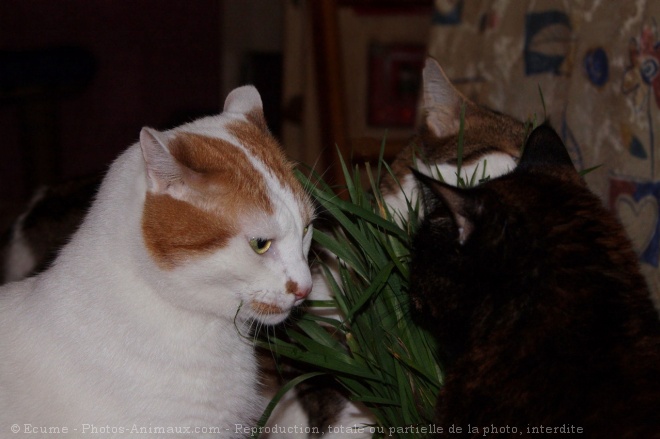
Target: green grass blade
(588, 170)
(545, 113)
(377, 284)
(340, 206)
(341, 251)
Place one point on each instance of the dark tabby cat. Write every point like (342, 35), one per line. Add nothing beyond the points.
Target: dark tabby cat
(535, 297)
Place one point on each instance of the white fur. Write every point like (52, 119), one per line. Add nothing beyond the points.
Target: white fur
(108, 340)
(496, 164)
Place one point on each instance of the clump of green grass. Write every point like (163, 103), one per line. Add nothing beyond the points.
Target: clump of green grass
(375, 351)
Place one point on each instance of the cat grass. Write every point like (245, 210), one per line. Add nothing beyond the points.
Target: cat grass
(374, 351)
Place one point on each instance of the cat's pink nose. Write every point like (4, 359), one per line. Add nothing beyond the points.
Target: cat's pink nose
(300, 292)
(303, 293)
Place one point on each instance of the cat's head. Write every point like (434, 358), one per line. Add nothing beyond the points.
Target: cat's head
(482, 247)
(485, 130)
(491, 141)
(224, 219)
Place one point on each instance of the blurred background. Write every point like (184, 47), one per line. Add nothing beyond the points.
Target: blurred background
(79, 78)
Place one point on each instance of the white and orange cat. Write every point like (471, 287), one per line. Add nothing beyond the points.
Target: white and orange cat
(194, 232)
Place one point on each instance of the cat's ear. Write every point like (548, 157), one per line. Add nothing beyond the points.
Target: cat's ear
(455, 202)
(543, 149)
(441, 100)
(247, 101)
(163, 170)
(243, 100)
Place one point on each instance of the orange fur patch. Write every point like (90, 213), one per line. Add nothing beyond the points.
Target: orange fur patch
(256, 139)
(221, 172)
(291, 287)
(256, 117)
(174, 230)
(265, 308)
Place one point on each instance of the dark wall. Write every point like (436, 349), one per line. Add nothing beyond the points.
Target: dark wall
(154, 63)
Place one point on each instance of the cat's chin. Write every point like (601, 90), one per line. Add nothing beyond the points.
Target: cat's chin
(268, 313)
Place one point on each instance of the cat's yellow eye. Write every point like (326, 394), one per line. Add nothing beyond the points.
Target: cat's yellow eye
(260, 245)
(305, 230)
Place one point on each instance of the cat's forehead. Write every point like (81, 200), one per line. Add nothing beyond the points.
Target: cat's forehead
(242, 156)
